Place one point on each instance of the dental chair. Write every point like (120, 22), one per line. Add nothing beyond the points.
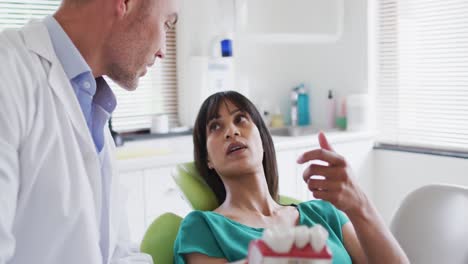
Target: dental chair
(431, 225)
(160, 236)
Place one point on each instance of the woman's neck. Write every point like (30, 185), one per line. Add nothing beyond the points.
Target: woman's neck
(249, 193)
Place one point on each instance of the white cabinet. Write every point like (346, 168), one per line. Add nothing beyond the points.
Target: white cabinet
(302, 188)
(287, 173)
(162, 194)
(356, 153)
(290, 21)
(291, 182)
(150, 193)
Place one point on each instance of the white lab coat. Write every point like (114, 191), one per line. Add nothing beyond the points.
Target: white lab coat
(50, 176)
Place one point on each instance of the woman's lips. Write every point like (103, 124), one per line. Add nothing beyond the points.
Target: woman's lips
(235, 147)
(237, 151)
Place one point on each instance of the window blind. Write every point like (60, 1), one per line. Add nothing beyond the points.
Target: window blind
(422, 76)
(16, 13)
(157, 90)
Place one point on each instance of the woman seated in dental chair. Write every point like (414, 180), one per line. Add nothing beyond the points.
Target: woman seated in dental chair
(234, 153)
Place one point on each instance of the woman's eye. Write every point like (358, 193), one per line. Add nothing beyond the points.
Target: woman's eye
(214, 126)
(241, 118)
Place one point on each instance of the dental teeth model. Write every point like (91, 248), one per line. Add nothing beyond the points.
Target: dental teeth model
(286, 245)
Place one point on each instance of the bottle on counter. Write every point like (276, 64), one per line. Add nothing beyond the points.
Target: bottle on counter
(303, 115)
(277, 120)
(341, 114)
(331, 110)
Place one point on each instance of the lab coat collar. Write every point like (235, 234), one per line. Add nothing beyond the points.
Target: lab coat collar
(37, 40)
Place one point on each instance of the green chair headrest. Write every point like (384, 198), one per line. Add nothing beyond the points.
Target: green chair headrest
(194, 188)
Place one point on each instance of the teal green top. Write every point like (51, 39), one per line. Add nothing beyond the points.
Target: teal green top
(217, 236)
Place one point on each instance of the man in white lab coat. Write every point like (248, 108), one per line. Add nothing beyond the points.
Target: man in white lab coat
(59, 194)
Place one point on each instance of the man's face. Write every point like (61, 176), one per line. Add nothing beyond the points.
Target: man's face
(138, 38)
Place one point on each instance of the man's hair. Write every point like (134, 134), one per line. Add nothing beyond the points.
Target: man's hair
(209, 110)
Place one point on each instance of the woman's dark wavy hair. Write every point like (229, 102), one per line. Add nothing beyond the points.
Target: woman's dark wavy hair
(208, 111)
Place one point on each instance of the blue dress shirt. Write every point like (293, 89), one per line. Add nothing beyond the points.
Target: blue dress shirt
(96, 99)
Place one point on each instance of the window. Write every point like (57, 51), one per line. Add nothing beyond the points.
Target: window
(16, 13)
(157, 91)
(422, 73)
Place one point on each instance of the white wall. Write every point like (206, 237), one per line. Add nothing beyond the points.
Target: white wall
(398, 173)
(274, 69)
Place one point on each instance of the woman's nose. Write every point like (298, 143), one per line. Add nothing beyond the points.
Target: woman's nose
(231, 132)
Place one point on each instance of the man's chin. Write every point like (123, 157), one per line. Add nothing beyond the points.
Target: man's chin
(129, 85)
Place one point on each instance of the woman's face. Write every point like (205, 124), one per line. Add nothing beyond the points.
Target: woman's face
(233, 142)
